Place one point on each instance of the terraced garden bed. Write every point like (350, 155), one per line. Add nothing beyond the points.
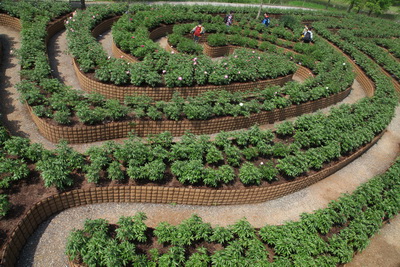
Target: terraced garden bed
(248, 166)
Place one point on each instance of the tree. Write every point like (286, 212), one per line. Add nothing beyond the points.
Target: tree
(355, 3)
(259, 10)
(378, 6)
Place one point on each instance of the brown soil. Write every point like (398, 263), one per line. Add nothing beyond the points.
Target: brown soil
(29, 191)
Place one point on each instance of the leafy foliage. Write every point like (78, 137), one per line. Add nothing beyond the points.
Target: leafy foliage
(57, 168)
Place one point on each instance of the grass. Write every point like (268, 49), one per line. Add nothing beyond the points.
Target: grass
(334, 5)
(309, 5)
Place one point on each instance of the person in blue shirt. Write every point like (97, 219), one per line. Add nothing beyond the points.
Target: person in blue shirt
(266, 20)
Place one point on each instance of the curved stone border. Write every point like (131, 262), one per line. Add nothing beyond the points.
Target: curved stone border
(103, 26)
(9, 21)
(161, 31)
(43, 209)
(143, 128)
(118, 53)
(218, 51)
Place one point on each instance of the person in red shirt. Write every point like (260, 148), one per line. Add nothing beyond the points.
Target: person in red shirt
(197, 32)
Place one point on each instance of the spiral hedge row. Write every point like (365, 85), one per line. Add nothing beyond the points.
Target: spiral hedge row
(253, 157)
(63, 104)
(314, 240)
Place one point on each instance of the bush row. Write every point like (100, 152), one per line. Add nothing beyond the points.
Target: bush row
(315, 141)
(50, 99)
(245, 33)
(312, 241)
(160, 68)
(250, 156)
(392, 45)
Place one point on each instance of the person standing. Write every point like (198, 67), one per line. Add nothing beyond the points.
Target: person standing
(308, 36)
(229, 19)
(266, 21)
(197, 32)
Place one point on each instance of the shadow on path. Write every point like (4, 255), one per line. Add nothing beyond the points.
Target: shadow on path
(8, 45)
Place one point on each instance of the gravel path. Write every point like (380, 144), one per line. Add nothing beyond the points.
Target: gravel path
(46, 246)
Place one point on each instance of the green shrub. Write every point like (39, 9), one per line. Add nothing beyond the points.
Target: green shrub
(217, 39)
(5, 205)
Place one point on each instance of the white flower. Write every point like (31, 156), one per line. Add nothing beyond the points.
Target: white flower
(205, 72)
(241, 104)
(108, 57)
(172, 52)
(344, 64)
(239, 72)
(327, 88)
(261, 163)
(164, 71)
(226, 76)
(253, 51)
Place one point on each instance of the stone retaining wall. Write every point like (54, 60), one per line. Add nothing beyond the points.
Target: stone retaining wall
(218, 51)
(7, 20)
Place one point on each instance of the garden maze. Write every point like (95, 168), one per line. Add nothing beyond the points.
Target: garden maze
(195, 119)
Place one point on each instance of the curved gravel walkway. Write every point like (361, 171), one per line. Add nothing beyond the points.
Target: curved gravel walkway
(46, 246)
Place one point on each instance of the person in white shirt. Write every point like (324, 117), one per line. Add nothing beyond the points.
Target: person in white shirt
(308, 36)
